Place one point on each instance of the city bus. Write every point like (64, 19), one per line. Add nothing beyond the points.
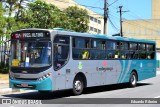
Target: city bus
(56, 59)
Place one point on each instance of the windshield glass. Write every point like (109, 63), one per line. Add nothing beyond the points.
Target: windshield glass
(30, 54)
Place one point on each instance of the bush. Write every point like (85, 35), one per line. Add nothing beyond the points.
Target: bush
(4, 69)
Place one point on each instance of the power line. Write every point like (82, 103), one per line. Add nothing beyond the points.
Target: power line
(112, 3)
(140, 18)
(113, 24)
(136, 24)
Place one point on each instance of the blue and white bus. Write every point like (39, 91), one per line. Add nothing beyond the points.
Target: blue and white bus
(55, 59)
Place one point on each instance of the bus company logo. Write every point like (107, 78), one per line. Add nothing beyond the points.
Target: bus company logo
(104, 69)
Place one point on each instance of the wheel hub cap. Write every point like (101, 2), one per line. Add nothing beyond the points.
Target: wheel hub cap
(78, 85)
(133, 79)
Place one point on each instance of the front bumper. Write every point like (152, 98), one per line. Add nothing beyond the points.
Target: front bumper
(45, 85)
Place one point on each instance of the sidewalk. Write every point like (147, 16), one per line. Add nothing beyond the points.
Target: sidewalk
(158, 71)
(4, 87)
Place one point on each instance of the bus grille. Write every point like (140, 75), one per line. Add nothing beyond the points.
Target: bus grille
(28, 86)
(27, 79)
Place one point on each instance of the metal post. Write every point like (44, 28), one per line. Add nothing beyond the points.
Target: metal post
(105, 16)
(121, 33)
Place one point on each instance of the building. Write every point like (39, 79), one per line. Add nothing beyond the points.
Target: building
(145, 29)
(96, 23)
(155, 9)
(25, 2)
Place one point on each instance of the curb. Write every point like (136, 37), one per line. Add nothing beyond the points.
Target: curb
(8, 90)
(4, 82)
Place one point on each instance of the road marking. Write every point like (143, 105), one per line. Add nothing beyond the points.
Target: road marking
(157, 97)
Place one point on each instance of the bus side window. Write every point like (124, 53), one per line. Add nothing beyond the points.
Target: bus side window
(150, 51)
(142, 51)
(80, 48)
(110, 47)
(117, 50)
(134, 53)
(124, 50)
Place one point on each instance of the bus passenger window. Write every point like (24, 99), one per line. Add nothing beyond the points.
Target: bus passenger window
(124, 50)
(142, 51)
(80, 48)
(117, 50)
(150, 52)
(134, 51)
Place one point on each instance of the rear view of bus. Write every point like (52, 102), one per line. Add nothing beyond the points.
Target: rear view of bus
(30, 60)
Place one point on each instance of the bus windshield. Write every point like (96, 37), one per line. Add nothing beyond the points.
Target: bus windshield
(30, 54)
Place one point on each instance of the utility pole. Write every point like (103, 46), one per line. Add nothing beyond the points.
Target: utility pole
(105, 16)
(120, 12)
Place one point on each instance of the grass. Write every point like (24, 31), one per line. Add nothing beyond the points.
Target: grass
(4, 76)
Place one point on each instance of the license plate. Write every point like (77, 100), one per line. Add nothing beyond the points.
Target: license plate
(24, 85)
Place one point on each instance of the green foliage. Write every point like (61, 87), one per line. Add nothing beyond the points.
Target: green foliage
(4, 68)
(2, 20)
(78, 18)
(43, 15)
(39, 15)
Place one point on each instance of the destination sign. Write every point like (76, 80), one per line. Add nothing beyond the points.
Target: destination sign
(22, 35)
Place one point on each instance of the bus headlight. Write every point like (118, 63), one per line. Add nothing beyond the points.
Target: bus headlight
(44, 77)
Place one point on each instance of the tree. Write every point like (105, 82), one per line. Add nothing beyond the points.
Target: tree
(9, 23)
(2, 29)
(40, 15)
(78, 18)
(2, 20)
(43, 15)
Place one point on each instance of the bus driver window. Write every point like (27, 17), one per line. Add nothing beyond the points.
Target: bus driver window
(61, 51)
(57, 56)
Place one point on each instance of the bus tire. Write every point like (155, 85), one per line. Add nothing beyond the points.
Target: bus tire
(133, 79)
(78, 86)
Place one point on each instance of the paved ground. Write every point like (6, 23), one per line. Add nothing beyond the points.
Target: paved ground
(145, 89)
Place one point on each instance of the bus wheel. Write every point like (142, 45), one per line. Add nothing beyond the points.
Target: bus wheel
(133, 79)
(78, 86)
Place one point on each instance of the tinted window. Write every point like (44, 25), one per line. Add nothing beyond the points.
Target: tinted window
(61, 51)
(61, 39)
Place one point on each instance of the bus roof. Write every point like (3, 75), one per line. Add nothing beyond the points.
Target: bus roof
(66, 32)
(124, 38)
(106, 37)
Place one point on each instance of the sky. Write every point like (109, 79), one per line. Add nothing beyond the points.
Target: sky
(136, 9)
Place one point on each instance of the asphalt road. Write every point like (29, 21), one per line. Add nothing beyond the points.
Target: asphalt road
(149, 88)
